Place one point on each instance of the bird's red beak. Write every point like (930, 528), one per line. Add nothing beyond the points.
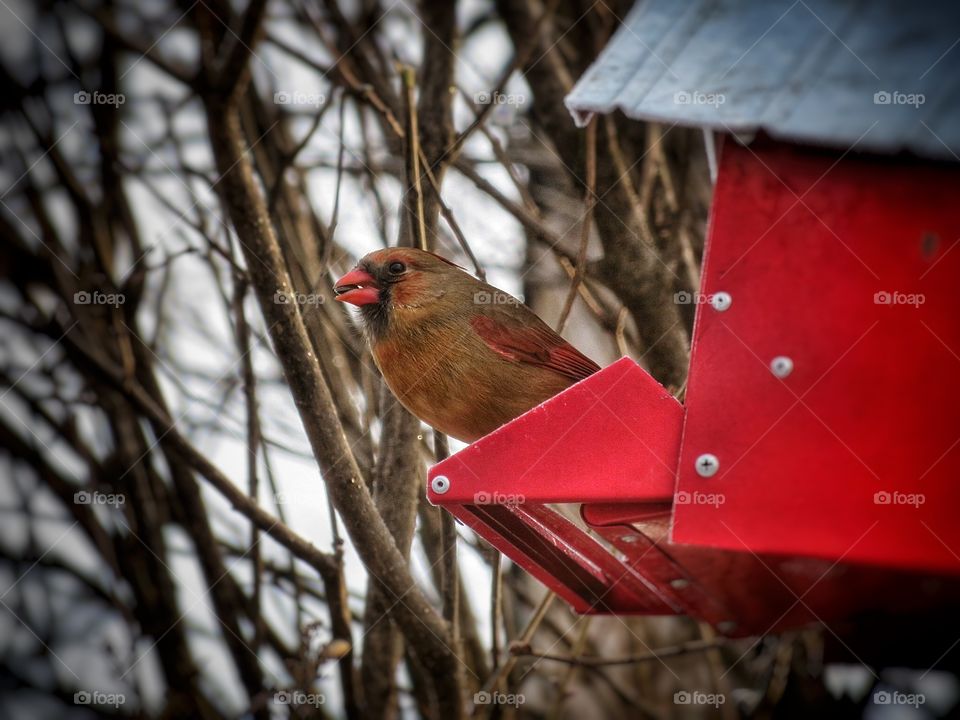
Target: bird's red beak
(357, 287)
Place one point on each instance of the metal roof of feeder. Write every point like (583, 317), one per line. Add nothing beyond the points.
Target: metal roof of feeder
(880, 76)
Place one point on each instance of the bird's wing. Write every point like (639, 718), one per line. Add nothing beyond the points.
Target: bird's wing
(528, 339)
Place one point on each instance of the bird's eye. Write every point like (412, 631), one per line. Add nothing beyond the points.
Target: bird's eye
(397, 267)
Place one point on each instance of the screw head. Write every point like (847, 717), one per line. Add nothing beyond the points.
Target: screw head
(628, 538)
(440, 484)
(781, 366)
(679, 583)
(721, 301)
(707, 465)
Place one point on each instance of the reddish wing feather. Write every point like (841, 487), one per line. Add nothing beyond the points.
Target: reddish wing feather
(535, 344)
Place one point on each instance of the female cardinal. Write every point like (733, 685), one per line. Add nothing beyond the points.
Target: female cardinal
(459, 354)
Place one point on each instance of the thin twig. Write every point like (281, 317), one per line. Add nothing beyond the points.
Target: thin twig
(408, 76)
(589, 201)
(335, 215)
(253, 446)
(502, 670)
(448, 539)
(558, 704)
(496, 604)
(674, 651)
(451, 220)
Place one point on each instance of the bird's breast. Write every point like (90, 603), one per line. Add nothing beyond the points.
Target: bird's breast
(459, 386)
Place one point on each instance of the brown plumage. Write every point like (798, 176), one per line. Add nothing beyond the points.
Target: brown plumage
(458, 353)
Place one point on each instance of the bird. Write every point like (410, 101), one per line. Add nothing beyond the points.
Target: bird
(461, 355)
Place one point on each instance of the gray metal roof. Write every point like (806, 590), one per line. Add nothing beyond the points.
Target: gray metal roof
(880, 75)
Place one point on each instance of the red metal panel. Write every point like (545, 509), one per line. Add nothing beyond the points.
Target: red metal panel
(848, 267)
(741, 593)
(614, 437)
(565, 559)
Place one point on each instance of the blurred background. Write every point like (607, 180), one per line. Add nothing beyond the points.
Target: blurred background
(172, 541)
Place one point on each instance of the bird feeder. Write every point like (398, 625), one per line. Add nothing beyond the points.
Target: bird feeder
(811, 475)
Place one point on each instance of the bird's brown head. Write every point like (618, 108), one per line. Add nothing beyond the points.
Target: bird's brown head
(392, 280)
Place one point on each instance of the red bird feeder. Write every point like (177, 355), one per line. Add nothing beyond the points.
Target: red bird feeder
(812, 474)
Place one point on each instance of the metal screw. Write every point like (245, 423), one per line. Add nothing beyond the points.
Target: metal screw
(781, 366)
(440, 484)
(680, 584)
(707, 465)
(628, 538)
(721, 301)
